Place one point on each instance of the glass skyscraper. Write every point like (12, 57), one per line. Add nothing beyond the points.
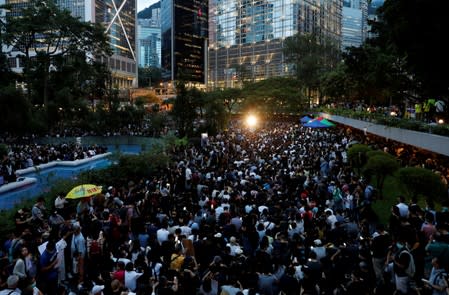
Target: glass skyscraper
(246, 36)
(149, 43)
(355, 23)
(184, 33)
(372, 14)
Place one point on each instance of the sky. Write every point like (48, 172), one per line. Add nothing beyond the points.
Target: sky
(142, 4)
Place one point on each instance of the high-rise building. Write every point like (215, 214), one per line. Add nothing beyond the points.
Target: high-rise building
(149, 43)
(372, 13)
(354, 23)
(184, 33)
(119, 20)
(246, 36)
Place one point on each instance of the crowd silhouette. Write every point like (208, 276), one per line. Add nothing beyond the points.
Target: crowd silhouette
(273, 210)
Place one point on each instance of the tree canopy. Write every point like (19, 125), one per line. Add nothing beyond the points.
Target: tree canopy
(417, 31)
(60, 57)
(311, 57)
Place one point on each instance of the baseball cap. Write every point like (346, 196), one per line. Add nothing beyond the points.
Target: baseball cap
(97, 289)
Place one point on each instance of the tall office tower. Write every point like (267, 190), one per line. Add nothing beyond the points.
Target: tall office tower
(184, 34)
(372, 13)
(149, 42)
(354, 23)
(118, 18)
(247, 36)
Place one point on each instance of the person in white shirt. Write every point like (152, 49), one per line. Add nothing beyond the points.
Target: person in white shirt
(331, 219)
(162, 233)
(60, 246)
(12, 282)
(403, 207)
(60, 201)
(319, 249)
(188, 175)
(234, 246)
(131, 277)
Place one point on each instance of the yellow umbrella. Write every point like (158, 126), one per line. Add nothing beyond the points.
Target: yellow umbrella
(83, 191)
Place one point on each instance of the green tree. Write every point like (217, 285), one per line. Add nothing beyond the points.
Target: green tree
(7, 77)
(380, 165)
(184, 110)
(338, 84)
(157, 120)
(357, 156)
(421, 181)
(312, 57)
(231, 98)
(275, 95)
(215, 115)
(45, 33)
(399, 24)
(375, 75)
(15, 110)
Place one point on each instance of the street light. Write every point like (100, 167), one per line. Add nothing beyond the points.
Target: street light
(251, 121)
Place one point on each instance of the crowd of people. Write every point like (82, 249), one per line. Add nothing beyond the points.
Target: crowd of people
(429, 111)
(144, 129)
(275, 210)
(22, 156)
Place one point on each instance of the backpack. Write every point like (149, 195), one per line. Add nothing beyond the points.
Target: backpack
(94, 248)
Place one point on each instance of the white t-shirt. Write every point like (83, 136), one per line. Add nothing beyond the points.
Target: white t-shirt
(162, 235)
(403, 209)
(188, 174)
(131, 279)
(331, 219)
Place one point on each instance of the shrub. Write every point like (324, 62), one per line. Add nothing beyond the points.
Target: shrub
(380, 164)
(357, 156)
(420, 181)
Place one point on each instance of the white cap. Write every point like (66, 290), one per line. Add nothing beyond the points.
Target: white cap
(97, 289)
(317, 242)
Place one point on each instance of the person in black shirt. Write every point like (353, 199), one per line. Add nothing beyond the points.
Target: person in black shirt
(288, 283)
(22, 219)
(380, 243)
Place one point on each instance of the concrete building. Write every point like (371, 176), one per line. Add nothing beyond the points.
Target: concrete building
(247, 36)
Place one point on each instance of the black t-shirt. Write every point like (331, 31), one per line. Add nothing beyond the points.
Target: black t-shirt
(289, 285)
(21, 217)
(379, 245)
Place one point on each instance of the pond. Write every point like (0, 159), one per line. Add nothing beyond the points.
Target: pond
(34, 182)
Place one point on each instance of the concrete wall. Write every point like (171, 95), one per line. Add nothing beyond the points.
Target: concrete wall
(431, 142)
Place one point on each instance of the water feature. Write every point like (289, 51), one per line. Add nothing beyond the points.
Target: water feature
(45, 177)
(39, 181)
